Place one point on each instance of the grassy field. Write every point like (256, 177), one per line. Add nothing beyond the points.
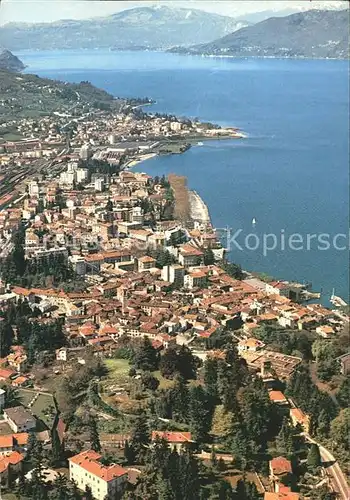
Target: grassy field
(117, 370)
(26, 396)
(44, 408)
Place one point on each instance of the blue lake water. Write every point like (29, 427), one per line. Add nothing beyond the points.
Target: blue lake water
(291, 173)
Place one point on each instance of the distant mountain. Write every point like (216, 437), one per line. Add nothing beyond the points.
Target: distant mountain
(310, 34)
(286, 10)
(140, 28)
(9, 61)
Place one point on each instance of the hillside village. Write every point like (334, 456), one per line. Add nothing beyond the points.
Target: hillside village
(130, 342)
(136, 361)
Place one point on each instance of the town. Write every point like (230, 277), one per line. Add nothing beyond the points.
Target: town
(136, 360)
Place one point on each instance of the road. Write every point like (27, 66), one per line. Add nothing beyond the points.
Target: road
(338, 477)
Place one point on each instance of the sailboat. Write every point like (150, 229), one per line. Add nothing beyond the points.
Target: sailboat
(253, 221)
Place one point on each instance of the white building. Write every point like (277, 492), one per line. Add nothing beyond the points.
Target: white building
(99, 184)
(33, 189)
(85, 152)
(104, 481)
(78, 264)
(81, 174)
(174, 274)
(19, 419)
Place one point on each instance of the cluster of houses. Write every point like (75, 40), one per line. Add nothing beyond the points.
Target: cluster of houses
(115, 246)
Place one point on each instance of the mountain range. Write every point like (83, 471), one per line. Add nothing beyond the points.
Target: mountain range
(159, 27)
(309, 34)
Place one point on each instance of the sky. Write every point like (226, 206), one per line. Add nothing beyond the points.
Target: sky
(52, 10)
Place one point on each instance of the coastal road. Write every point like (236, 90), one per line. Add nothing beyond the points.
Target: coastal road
(337, 476)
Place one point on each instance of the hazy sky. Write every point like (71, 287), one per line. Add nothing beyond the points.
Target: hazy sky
(51, 10)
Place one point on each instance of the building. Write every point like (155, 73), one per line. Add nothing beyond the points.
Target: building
(344, 363)
(195, 279)
(99, 184)
(250, 345)
(190, 256)
(19, 419)
(85, 152)
(81, 175)
(288, 495)
(280, 469)
(33, 189)
(325, 331)
(104, 481)
(12, 461)
(173, 274)
(6, 444)
(176, 440)
(78, 263)
(278, 397)
(298, 417)
(145, 263)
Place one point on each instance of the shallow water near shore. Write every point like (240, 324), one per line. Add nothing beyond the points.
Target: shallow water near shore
(290, 173)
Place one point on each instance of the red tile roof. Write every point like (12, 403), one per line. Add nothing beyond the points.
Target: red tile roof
(14, 458)
(277, 396)
(172, 437)
(89, 460)
(280, 465)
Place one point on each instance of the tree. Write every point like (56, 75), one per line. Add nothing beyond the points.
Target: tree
(149, 381)
(200, 413)
(242, 446)
(179, 399)
(323, 423)
(88, 494)
(177, 360)
(94, 436)
(169, 363)
(6, 338)
(129, 453)
(12, 397)
(56, 446)
(109, 205)
(339, 430)
(246, 491)
(284, 440)
(221, 422)
(322, 493)
(313, 457)
(146, 356)
(208, 257)
(343, 394)
(140, 436)
(211, 376)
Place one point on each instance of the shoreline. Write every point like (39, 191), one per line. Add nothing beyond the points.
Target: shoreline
(199, 211)
(141, 159)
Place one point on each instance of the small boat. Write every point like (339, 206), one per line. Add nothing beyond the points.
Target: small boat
(200, 144)
(253, 221)
(337, 301)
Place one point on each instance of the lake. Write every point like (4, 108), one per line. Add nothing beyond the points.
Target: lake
(291, 172)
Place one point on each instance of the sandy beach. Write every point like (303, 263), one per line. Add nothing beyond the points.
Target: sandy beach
(140, 159)
(199, 210)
